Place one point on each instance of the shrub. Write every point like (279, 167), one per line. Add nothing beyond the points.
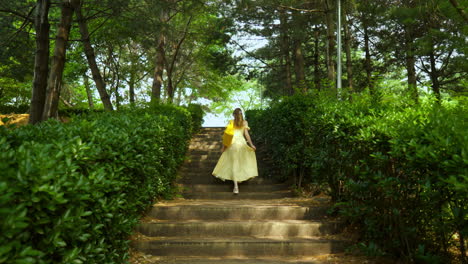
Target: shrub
(72, 193)
(196, 113)
(78, 111)
(14, 109)
(397, 171)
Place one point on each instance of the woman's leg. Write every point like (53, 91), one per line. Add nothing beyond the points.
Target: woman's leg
(236, 188)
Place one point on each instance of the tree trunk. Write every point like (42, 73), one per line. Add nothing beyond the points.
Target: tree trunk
(410, 64)
(329, 14)
(58, 62)
(88, 91)
(91, 57)
(131, 88)
(170, 89)
(160, 60)
(158, 70)
(299, 66)
(288, 90)
(367, 61)
(115, 60)
(434, 74)
(117, 94)
(179, 96)
(349, 63)
(316, 60)
(462, 247)
(41, 62)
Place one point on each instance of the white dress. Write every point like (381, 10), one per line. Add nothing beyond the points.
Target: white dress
(238, 162)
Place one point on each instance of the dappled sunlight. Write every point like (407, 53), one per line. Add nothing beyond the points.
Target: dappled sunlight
(14, 119)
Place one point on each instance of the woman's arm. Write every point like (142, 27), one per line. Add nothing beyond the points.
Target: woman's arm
(247, 135)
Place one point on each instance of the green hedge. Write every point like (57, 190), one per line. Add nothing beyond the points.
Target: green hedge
(72, 193)
(400, 172)
(196, 112)
(14, 109)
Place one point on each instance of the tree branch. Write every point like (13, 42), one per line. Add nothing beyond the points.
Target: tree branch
(424, 68)
(25, 17)
(251, 54)
(301, 9)
(179, 44)
(446, 62)
(27, 21)
(459, 9)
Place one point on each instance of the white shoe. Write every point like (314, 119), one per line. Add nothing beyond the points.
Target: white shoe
(236, 190)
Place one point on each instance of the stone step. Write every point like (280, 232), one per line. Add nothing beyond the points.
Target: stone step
(207, 178)
(197, 167)
(213, 128)
(205, 147)
(213, 156)
(227, 187)
(258, 229)
(211, 132)
(208, 137)
(244, 260)
(198, 164)
(204, 159)
(242, 195)
(202, 153)
(238, 247)
(196, 174)
(200, 143)
(227, 210)
(200, 179)
(200, 170)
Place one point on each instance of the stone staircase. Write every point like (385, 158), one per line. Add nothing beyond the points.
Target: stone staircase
(264, 223)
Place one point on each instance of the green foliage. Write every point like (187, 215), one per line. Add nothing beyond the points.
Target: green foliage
(196, 114)
(397, 171)
(78, 111)
(10, 109)
(72, 193)
(280, 127)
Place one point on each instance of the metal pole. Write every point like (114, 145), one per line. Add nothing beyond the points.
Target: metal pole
(338, 56)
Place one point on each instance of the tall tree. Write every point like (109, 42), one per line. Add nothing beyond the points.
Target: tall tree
(285, 51)
(160, 58)
(58, 62)
(298, 54)
(441, 49)
(175, 56)
(91, 57)
(317, 79)
(347, 45)
(89, 94)
(367, 59)
(41, 62)
(158, 69)
(330, 23)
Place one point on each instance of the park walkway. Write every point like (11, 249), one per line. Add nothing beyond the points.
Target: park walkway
(263, 224)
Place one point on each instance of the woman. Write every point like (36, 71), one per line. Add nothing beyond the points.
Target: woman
(237, 162)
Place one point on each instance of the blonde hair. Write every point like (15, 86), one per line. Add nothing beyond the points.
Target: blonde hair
(238, 119)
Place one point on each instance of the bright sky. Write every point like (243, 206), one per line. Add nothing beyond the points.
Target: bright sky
(250, 43)
(211, 120)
